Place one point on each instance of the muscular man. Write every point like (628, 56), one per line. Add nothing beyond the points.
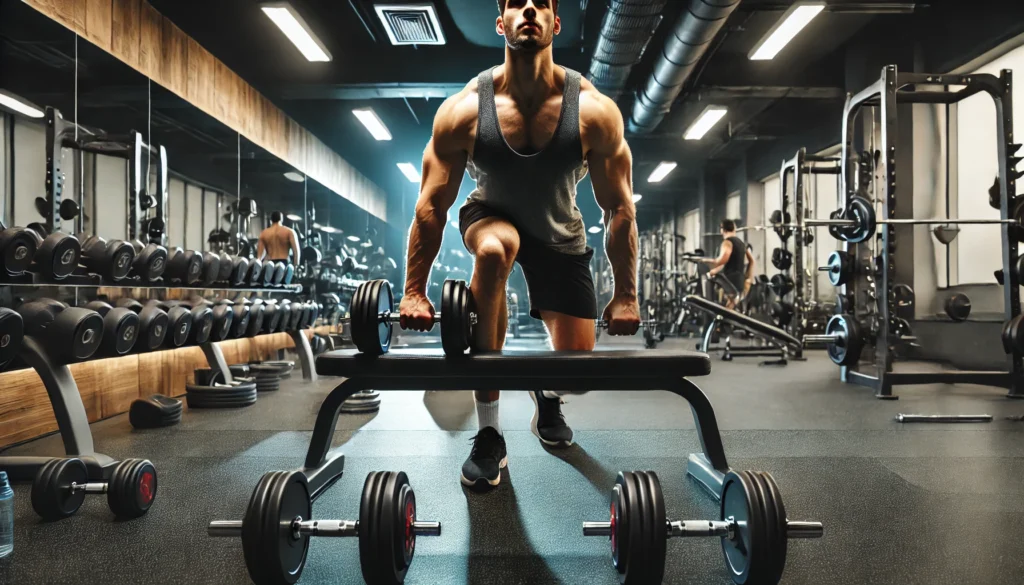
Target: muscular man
(277, 240)
(527, 130)
(730, 262)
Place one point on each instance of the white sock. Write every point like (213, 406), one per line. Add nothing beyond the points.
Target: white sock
(487, 415)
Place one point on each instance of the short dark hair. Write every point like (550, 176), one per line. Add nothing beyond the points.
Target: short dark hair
(276, 216)
(501, 6)
(728, 225)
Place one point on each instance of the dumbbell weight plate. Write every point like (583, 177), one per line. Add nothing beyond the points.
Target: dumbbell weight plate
(150, 261)
(202, 325)
(52, 498)
(240, 321)
(389, 540)
(255, 277)
(634, 569)
(120, 331)
(153, 326)
(744, 556)
(211, 268)
(12, 332)
(848, 353)
(239, 271)
(59, 254)
(659, 537)
(256, 316)
(369, 526)
(455, 325)
(132, 488)
(119, 255)
(223, 319)
(19, 248)
(226, 264)
(271, 552)
(180, 326)
(267, 276)
(775, 518)
(271, 318)
(289, 273)
(83, 327)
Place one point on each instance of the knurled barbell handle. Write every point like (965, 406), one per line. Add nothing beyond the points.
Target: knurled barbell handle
(676, 528)
(804, 529)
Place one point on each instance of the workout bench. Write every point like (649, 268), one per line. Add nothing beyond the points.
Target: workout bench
(781, 340)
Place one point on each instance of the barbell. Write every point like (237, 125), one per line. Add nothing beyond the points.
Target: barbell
(844, 338)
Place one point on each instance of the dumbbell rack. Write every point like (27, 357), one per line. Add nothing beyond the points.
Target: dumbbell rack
(875, 282)
(800, 165)
(86, 280)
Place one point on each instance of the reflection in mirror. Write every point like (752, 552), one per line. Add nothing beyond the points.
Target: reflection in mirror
(268, 184)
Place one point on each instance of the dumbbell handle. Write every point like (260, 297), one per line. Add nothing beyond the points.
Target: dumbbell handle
(832, 338)
(643, 323)
(335, 528)
(828, 268)
(704, 528)
(90, 488)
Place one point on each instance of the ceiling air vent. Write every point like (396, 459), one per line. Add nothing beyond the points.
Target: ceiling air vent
(411, 24)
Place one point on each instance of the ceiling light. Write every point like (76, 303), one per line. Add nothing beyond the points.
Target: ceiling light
(595, 229)
(707, 120)
(297, 31)
(293, 217)
(373, 123)
(791, 23)
(328, 229)
(18, 105)
(661, 172)
(353, 238)
(294, 176)
(637, 197)
(410, 172)
(315, 226)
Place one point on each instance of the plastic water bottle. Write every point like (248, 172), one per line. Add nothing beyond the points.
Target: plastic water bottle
(6, 516)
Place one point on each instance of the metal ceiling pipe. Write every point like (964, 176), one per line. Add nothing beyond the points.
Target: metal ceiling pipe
(626, 29)
(683, 49)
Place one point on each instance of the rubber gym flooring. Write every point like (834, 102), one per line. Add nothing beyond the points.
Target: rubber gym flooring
(930, 504)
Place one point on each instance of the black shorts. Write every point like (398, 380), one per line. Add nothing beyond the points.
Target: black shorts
(555, 281)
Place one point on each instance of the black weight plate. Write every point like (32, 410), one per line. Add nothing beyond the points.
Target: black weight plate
(253, 539)
(646, 532)
(132, 489)
(83, 327)
(739, 552)
(390, 553)
(768, 554)
(61, 253)
(839, 351)
(180, 327)
(777, 521)
(385, 306)
(19, 248)
(356, 325)
(619, 526)
(12, 332)
(121, 255)
(454, 317)
(407, 533)
(224, 270)
(861, 211)
(51, 489)
(287, 498)
(657, 551)
(121, 329)
(369, 525)
(635, 559)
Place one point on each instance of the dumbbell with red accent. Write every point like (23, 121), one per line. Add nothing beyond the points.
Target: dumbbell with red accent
(69, 334)
(120, 328)
(154, 324)
(180, 319)
(184, 266)
(18, 247)
(57, 254)
(111, 259)
(60, 487)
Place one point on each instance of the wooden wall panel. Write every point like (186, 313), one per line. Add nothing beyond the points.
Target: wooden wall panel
(98, 23)
(151, 34)
(199, 85)
(174, 68)
(25, 410)
(125, 31)
(114, 384)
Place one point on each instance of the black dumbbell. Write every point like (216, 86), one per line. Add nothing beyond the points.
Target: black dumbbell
(223, 318)
(270, 273)
(153, 324)
(150, 261)
(57, 254)
(271, 317)
(255, 277)
(202, 323)
(239, 271)
(12, 330)
(60, 487)
(111, 259)
(211, 268)
(240, 318)
(958, 307)
(226, 261)
(180, 319)
(69, 334)
(18, 248)
(184, 266)
(257, 314)
(120, 328)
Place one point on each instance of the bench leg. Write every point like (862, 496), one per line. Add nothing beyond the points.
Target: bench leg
(708, 333)
(326, 420)
(709, 466)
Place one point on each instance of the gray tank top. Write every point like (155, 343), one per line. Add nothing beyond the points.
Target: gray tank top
(537, 191)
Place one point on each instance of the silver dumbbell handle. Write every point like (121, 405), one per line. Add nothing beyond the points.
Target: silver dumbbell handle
(300, 527)
(90, 488)
(705, 528)
(643, 323)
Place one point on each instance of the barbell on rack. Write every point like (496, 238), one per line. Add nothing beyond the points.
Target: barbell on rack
(844, 338)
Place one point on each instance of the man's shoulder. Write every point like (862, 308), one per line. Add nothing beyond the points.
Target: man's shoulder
(600, 118)
(456, 118)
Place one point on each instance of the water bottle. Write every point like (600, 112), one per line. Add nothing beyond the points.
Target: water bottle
(6, 516)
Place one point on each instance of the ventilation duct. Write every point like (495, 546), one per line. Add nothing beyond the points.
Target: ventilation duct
(411, 24)
(685, 46)
(625, 31)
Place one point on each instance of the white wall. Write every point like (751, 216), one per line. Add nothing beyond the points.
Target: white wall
(755, 216)
(29, 170)
(210, 219)
(732, 207)
(111, 219)
(823, 194)
(194, 238)
(978, 246)
(176, 213)
(691, 230)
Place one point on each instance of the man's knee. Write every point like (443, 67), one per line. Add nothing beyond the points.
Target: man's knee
(494, 257)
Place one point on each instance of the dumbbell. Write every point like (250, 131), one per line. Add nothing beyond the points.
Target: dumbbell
(110, 259)
(150, 261)
(239, 271)
(279, 518)
(255, 276)
(60, 487)
(271, 317)
(184, 266)
(57, 254)
(269, 273)
(226, 264)
(958, 307)
(18, 248)
(69, 334)
(211, 268)
(120, 328)
(180, 322)
(239, 319)
(257, 311)
(289, 274)
(373, 313)
(154, 324)
(284, 308)
(12, 331)
(752, 524)
(202, 319)
(223, 318)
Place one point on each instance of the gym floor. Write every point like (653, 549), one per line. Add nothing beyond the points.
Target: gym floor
(900, 503)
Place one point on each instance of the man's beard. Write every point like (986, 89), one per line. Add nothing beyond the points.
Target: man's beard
(527, 43)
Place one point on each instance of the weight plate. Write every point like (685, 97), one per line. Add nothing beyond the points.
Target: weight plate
(121, 329)
(369, 523)
(19, 248)
(52, 498)
(635, 559)
(743, 552)
(385, 306)
(657, 551)
(646, 531)
(121, 255)
(619, 526)
(840, 267)
(12, 331)
(768, 553)
(357, 324)
(406, 537)
(861, 211)
(391, 531)
(132, 488)
(455, 317)
(777, 521)
(273, 552)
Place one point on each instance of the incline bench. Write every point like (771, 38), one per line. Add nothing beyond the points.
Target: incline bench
(779, 338)
(752, 523)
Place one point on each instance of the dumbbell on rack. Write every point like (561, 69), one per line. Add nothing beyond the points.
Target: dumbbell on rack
(752, 525)
(154, 324)
(184, 266)
(12, 331)
(18, 247)
(69, 334)
(60, 487)
(387, 527)
(57, 254)
(150, 261)
(179, 320)
(120, 328)
(110, 259)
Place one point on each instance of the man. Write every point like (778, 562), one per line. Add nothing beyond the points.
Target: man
(277, 240)
(730, 263)
(527, 130)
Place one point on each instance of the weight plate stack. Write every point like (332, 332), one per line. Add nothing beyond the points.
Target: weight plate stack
(52, 498)
(387, 511)
(456, 307)
(242, 394)
(273, 555)
(362, 402)
(155, 412)
(132, 488)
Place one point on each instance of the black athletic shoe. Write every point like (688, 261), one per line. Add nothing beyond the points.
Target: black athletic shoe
(486, 460)
(548, 422)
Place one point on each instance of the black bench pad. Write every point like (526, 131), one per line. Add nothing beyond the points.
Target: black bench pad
(742, 320)
(517, 364)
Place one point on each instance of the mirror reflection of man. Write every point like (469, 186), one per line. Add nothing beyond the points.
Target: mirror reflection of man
(277, 240)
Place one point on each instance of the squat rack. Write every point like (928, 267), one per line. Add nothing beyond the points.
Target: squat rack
(874, 279)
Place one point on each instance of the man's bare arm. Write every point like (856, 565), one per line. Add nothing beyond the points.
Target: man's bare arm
(444, 163)
(261, 248)
(750, 264)
(723, 256)
(296, 250)
(611, 172)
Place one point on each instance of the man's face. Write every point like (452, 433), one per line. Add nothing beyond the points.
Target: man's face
(529, 25)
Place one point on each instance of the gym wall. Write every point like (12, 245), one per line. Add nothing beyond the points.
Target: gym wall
(754, 216)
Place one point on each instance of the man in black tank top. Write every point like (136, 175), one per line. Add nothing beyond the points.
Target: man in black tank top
(528, 131)
(730, 263)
